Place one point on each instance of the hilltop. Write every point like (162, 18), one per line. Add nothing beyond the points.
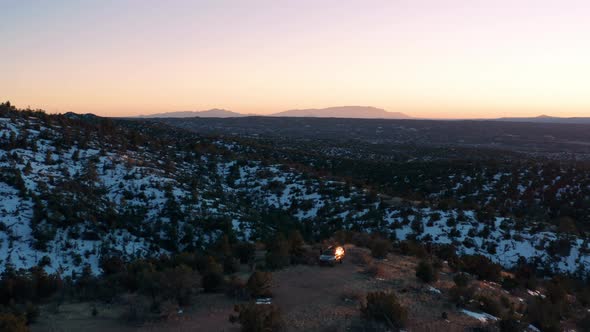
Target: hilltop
(138, 188)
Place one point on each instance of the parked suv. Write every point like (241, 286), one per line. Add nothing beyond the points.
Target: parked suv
(332, 255)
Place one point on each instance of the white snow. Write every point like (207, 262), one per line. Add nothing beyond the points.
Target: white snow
(482, 317)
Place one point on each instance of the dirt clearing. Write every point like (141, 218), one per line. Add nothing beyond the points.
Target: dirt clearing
(311, 298)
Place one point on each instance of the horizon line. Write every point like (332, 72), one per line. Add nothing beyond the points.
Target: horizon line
(275, 114)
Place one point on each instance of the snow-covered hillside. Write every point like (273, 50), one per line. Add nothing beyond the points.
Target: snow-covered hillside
(75, 189)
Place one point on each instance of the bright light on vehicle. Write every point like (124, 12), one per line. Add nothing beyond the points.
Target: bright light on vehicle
(339, 252)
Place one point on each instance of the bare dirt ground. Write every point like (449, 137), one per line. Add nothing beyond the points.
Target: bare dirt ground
(312, 298)
(209, 312)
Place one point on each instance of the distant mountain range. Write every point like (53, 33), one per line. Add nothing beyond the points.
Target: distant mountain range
(548, 119)
(352, 112)
(212, 113)
(355, 112)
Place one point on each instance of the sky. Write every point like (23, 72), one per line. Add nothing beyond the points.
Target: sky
(426, 58)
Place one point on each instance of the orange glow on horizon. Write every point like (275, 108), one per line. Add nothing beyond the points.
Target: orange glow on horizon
(428, 59)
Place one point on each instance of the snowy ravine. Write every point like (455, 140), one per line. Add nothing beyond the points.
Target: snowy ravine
(76, 201)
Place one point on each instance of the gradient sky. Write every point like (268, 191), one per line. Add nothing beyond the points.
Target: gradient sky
(437, 58)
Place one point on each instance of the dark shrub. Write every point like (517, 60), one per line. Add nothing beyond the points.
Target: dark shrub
(307, 257)
(461, 279)
(212, 282)
(148, 283)
(277, 260)
(206, 264)
(511, 325)
(525, 275)
(375, 270)
(236, 288)
(31, 312)
(222, 246)
(361, 240)
(426, 272)
(559, 248)
(188, 259)
(244, 252)
(45, 261)
(555, 291)
(461, 295)
(111, 265)
(46, 284)
(490, 305)
(385, 306)
(437, 264)
(584, 323)
(231, 265)
(482, 267)
(544, 315)
(12, 323)
(24, 286)
(259, 284)
(343, 236)
(380, 248)
(258, 318)
(509, 283)
(178, 283)
(360, 258)
(584, 296)
(278, 255)
(448, 253)
(296, 243)
(412, 248)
